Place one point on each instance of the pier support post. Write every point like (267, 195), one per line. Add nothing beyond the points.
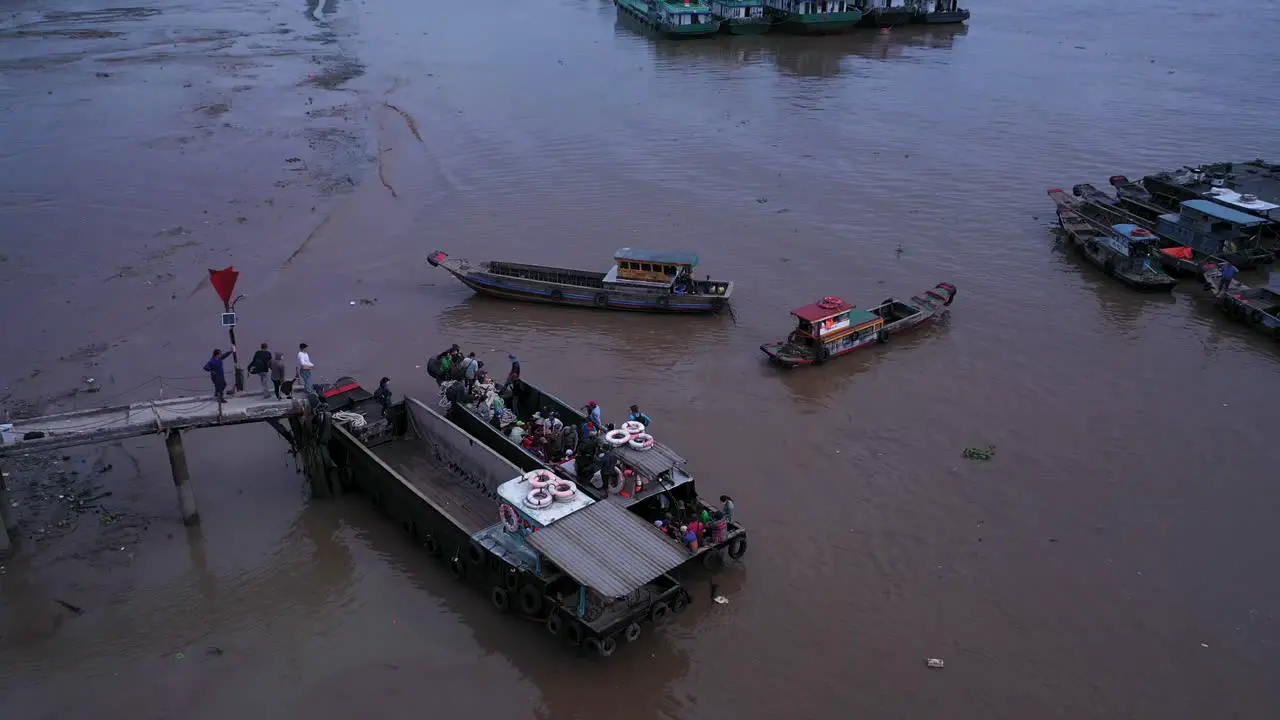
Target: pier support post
(182, 478)
(313, 465)
(8, 523)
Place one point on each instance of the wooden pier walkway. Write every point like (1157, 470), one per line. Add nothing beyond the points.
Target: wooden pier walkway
(121, 422)
(160, 417)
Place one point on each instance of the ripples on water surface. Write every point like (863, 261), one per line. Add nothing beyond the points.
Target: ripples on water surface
(326, 147)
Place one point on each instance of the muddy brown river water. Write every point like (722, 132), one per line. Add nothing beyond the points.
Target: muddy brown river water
(1115, 559)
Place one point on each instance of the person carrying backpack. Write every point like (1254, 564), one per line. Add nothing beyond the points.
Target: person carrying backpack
(260, 365)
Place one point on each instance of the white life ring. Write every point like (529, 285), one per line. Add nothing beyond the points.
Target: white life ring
(538, 498)
(617, 438)
(633, 427)
(510, 519)
(643, 441)
(563, 490)
(539, 478)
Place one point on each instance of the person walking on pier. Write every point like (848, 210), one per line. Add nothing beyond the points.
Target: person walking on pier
(304, 367)
(277, 376)
(216, 373)
(260, 365)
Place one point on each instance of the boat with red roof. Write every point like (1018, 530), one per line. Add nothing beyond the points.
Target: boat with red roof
(832, 327)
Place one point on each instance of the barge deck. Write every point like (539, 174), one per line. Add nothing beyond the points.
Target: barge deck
(590, 571)
(667, 482)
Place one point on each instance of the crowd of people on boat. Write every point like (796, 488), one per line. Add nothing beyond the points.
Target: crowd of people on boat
(550, 439)
(694, 528)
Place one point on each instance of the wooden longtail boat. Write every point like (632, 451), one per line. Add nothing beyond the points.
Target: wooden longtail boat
(640, 280)
(1255, 306)
(1124, 251)
(832, 327)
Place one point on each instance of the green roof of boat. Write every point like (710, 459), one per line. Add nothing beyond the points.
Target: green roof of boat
(680, 8)
(656, 256)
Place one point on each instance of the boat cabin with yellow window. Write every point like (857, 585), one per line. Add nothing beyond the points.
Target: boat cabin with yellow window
(833, 327)
(640, 280)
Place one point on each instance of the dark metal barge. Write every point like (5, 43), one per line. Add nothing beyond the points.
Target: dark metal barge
(593, 573)
(667, 480)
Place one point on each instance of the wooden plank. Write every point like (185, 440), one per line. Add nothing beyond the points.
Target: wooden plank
(109, 424)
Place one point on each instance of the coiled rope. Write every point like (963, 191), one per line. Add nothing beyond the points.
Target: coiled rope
(355, 419)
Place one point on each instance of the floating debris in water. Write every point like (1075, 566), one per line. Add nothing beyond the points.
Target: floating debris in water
(973, 453)
(935, 663)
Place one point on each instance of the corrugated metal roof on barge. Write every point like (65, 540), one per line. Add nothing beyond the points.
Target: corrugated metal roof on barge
(649, 463)
(608, 549)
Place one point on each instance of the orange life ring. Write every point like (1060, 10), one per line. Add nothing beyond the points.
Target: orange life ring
(1141, 232)
(830, 302)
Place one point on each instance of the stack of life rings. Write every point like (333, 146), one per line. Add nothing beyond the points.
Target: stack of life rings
(830, 302)
(547, 488)
(636, 437)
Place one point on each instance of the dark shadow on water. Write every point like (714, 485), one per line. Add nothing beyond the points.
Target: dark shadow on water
(815, 385)
(816, 56)
(567, 677)
(654, 338)
(1120, 305)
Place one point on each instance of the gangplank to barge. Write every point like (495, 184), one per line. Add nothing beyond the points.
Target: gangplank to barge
(591, 571)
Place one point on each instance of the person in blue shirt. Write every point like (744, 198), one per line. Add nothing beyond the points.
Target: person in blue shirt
(637, 416)
(1228, 272)
(217, 374)
(592, 411)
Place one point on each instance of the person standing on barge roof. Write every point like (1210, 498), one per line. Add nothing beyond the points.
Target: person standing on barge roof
(637, 416)
(592, 411)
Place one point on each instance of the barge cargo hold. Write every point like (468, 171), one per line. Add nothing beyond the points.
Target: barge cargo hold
(665, 475)
(593, 573)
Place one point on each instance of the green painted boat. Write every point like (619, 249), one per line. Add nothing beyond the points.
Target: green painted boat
(672, 18)
(741, 17)
(813, 17)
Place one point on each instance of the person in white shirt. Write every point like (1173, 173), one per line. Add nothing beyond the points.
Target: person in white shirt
(304, 367)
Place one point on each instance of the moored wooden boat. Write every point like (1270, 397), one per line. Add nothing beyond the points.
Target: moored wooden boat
(1103, 210)
(832, 327)
(640, 280)
(885, 13)
(1126, 252)
(939, 12)
(672, 18)
(1258, 307)
(741, 17)
(813, 17)
(1217, 230)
